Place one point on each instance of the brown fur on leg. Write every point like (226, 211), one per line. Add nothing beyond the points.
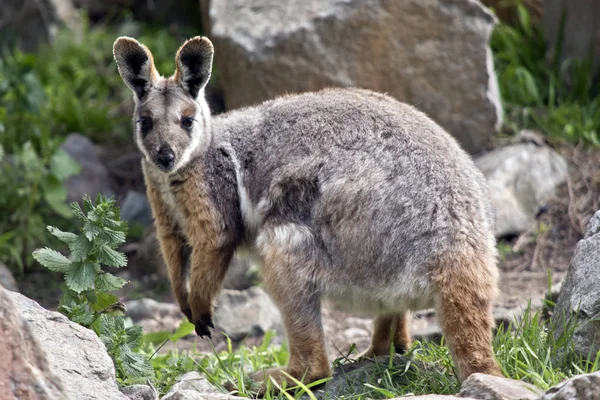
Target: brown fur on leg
(298, 301)
(383, 327)
(466, 292)
(212, 249)
(171, 244)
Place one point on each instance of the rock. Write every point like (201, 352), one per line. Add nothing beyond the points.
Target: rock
(488, 387)
(25, 372)
(580, 291)
(195, 386)
(7, 280)
(522, 178)
(577, 388)
(153, 316)
(148, 258)
(93, 177)
(28, 23)
(246, 313)
(140, 392)
(172, 13)
(194, 395)
(578, 22)
(432, 54)
(136, 208)
(240, 275)
(75, 354)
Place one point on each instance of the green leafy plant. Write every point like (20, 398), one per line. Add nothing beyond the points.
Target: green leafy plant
(32, 192)
(86, 294)
(558, 98)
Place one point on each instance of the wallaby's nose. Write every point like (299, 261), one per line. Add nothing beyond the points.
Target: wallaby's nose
(165, 157)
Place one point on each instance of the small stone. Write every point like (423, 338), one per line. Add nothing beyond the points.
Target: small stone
(136, 208)
(246, 313)
(140, 392)
(190, 386)
(489, 387)
(355, 333)
(522, 178)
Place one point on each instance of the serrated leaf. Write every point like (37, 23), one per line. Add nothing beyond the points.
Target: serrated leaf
(91, 231)
(115, 237)
(81, 276)
(108, 282)
(135, 365)
(52, 260)
(134, 336)
(77, 211)
(81, 248)
(87, 204)
(66, 237)
(63, 165)
(111, 257)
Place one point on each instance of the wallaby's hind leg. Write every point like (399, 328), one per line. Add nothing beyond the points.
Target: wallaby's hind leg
(394, 327)
(466, 293)
(287, 277)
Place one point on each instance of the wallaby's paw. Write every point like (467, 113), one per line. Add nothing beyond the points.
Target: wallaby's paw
(187, 311)
(203, 325)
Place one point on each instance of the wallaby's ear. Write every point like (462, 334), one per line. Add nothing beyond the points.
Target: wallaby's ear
(136, 65)
(194, 64)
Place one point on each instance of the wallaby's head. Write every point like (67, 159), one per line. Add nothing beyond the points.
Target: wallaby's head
(171, 116)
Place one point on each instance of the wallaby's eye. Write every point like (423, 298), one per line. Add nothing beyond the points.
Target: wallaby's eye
(145, 125)
(187, 122)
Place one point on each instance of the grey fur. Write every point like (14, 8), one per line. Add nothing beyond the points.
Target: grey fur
(383, 190)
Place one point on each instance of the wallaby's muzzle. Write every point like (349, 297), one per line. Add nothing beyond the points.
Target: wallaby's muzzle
(165, 159)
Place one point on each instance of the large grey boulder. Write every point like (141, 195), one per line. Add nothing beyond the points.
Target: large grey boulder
(433, 54)
(25, 371)
(75, 354)
(27, 23)
(580, 293)
(93, 177)
(488, 387)
(242, 313)
(522, 178)
(580, 387)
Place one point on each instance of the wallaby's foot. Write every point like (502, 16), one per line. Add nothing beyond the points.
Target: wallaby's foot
(464, 307)
(388, 328)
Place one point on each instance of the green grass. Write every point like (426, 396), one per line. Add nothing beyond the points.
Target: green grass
(527, 351)
(559, 99)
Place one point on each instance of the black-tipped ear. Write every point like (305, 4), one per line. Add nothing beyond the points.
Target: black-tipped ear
(136, 65)
(194, 64)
